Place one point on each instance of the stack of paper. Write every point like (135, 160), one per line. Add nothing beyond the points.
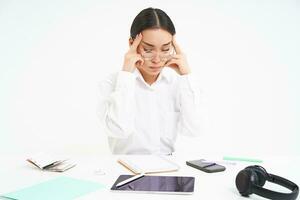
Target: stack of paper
(51, 163)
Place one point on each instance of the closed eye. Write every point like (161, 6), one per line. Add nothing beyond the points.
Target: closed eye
(148, 50)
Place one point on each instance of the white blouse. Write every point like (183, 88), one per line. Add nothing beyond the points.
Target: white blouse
(145, 119)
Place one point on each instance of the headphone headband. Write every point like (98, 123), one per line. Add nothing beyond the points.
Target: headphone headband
(249, 178)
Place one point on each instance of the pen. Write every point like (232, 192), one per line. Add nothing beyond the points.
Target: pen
(242, 159)
(130, 180)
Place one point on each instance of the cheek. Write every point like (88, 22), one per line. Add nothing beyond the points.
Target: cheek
(146, 64)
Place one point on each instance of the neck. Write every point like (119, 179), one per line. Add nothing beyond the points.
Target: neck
(150, 79)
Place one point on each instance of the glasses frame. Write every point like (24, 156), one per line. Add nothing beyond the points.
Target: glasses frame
(161, 57)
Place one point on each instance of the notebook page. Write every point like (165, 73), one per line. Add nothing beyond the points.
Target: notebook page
(148, 163)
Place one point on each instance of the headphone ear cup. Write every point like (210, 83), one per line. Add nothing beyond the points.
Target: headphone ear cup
(261, 173)
(245, 180)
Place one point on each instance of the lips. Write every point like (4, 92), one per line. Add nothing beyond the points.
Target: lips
(155, 67)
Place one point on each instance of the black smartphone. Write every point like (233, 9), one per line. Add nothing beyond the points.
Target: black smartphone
(206, 166)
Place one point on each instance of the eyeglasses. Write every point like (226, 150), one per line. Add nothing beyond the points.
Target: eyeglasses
(164, 55)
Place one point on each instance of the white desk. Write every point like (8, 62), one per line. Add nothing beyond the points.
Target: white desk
(16, 173)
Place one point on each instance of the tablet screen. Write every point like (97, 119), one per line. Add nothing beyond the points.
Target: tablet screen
(168, 184)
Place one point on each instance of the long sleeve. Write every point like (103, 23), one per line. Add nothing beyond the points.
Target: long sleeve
(116, 104)
(188, 102)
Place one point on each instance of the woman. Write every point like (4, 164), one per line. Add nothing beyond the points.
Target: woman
(146, 104)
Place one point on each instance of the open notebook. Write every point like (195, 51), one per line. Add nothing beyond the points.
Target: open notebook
(147, 164)
(50, 162)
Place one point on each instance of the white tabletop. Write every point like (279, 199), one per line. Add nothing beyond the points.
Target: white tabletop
(16, 173)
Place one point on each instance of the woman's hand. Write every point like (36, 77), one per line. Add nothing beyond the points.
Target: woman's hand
(178, 61)
(132, 58)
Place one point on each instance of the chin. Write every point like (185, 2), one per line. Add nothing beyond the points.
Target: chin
(151, 71)
(154, 73)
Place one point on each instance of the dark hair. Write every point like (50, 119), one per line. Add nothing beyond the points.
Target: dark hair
(151, 18)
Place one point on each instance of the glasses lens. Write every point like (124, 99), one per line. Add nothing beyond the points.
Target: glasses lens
(148, 55)
(163, 55)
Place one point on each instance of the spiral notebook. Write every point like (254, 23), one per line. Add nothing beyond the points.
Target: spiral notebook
(148, 164)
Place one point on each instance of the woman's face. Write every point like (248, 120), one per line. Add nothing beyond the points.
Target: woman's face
(155, 48)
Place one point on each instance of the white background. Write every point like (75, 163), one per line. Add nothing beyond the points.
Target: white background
(244, 53)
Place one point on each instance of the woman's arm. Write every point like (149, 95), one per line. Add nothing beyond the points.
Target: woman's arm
(187, 96)
(117, 104)
(188, 102)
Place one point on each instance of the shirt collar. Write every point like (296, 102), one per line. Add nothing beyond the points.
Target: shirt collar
(164, 75)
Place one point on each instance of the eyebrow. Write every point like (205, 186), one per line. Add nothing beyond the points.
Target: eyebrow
(151, 45)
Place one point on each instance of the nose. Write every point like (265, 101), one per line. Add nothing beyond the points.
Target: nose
(156, 58)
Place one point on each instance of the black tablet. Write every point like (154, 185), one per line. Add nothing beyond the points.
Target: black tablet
(157, 184)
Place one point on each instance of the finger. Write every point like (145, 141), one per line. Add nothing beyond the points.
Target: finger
(173, 60)
(176, 46)
(176, 56)
(174, 66)
(168, 62)
(171, 63)
(136, 42)
(140, 61)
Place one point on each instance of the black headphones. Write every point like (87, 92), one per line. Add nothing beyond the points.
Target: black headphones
(252, 179)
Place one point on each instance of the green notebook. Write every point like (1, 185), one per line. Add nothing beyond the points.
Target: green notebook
(61, 188)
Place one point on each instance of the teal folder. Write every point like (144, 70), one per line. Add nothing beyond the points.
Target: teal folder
(61, 188)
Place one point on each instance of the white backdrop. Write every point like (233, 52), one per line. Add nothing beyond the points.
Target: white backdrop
(244, 53)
